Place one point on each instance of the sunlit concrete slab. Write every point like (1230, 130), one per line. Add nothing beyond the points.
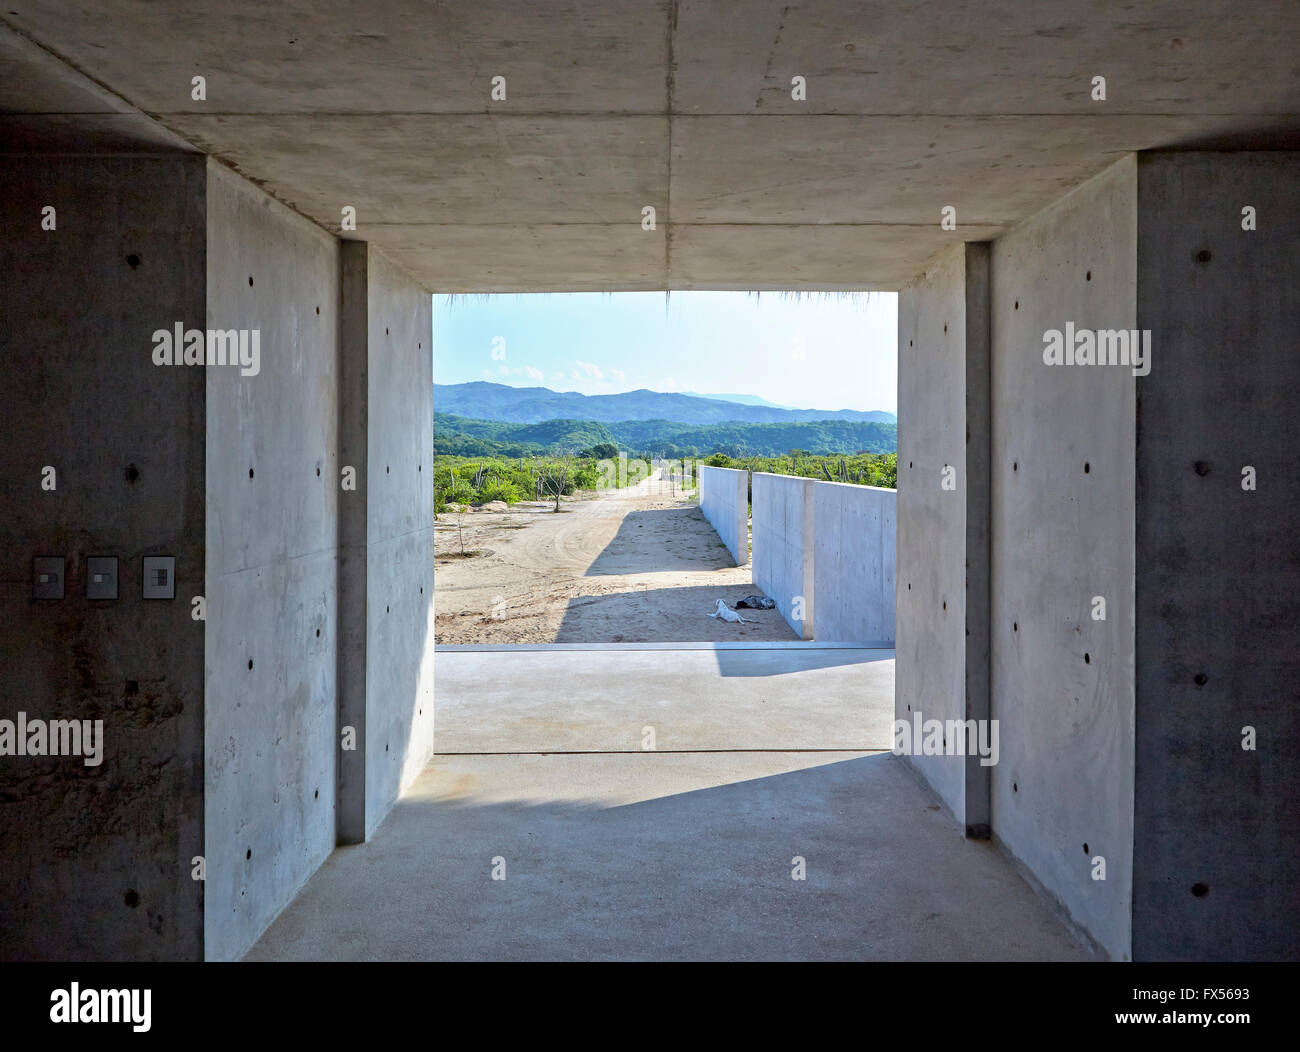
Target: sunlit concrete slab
(700, 699)
(668, 857)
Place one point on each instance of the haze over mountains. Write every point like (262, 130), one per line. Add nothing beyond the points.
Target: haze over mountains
(480, 400)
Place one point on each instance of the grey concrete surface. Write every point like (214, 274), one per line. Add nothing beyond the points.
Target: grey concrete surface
(684, 105)
(271, 549)
(399, 528)
(724, 501)
(668, 857)
(854, 560)
(783, 547)
(95, 861)
(933, 560)
(717, 699)
(1062, 532)
(1217, 844)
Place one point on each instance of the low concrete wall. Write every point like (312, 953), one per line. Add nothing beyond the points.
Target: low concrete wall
(724, 499)
(783, 546)
(854, 562)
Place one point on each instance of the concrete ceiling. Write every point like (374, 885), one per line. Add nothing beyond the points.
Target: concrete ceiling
(683, 105)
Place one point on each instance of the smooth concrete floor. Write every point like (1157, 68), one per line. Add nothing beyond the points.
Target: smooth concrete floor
(683, 856)
(601, 700)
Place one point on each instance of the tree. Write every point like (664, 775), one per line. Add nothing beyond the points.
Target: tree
(556, 477)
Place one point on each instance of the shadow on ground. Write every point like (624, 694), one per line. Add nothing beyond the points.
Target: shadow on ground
(667, 857)
(668, 615)
(662, 539)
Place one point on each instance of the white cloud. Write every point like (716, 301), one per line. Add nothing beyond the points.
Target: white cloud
(533, 374)
(619, 375)
(590, 370)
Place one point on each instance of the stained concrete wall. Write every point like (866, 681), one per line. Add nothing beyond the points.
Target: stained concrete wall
(783, 546)
(1062, 480)
(941, 658)
(724, 500)
(854, 557)
(97, 859)
(1217, 829)
(272, 549)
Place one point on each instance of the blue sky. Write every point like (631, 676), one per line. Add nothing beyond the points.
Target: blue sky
(810, 353)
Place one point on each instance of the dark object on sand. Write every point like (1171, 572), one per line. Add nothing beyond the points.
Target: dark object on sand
(757, 602)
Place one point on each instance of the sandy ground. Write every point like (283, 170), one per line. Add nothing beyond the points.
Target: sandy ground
(633, 569)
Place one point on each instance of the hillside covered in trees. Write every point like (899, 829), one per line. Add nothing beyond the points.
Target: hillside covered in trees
(465, 436)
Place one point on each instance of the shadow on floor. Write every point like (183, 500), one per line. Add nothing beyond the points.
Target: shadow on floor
(659, 857)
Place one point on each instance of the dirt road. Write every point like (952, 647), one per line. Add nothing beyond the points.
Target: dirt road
(631, 569)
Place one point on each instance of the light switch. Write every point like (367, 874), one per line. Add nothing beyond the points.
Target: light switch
(159, 577)
(101, 578)
(47, 578)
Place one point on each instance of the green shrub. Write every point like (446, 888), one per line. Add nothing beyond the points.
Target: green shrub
(498, 489)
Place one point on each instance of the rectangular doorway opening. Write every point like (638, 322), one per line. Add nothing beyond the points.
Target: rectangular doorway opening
(664, 521)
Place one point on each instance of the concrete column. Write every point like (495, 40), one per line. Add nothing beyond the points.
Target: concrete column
(274, 496)
(386, 542)
(942, 649)
(353, 406)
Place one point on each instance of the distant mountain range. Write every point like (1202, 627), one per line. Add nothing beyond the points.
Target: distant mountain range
(742, 399)
(480, 400)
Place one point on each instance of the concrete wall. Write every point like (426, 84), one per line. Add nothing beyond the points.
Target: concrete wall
(1217, 837)
(854, 562)
(783, 546)
(724, 499)
(1062, 532)
(941, 657)
(399, 529)
(272, 540)
(97, 859)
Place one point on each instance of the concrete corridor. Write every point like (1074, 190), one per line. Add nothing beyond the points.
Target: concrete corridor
(684, 853)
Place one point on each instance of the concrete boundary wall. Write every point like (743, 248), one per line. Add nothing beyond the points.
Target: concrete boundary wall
(783, 546)
(854, 561)
(724, 500)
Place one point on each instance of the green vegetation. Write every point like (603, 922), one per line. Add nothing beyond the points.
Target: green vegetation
(477, 480)
(464, 437)
(863, 469)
